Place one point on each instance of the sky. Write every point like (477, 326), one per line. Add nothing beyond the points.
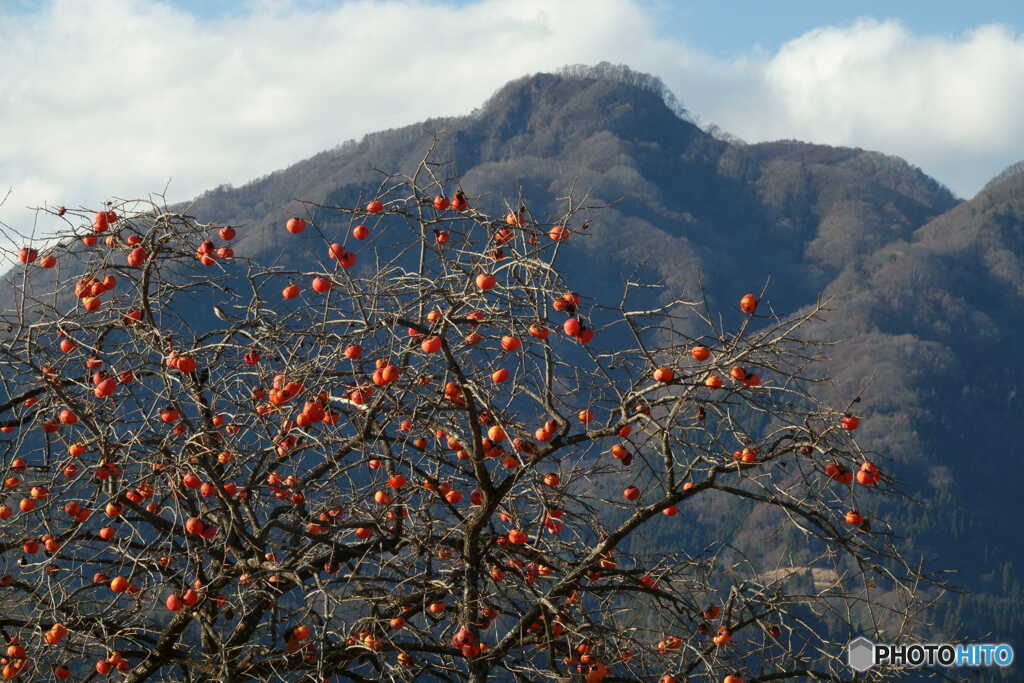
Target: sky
(122, 98)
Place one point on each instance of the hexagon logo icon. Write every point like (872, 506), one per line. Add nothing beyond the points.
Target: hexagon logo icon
(860, 654)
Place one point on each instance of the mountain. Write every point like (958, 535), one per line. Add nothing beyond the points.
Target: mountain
(683, 200)
(925, 290)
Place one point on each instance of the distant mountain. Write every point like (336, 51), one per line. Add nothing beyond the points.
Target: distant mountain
(683, 200)
(926, 290)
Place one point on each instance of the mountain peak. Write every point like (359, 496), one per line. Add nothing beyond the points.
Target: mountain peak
(580, 99)
(622, 74)
(603, 72)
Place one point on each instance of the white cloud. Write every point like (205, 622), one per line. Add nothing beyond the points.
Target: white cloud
(115, 97)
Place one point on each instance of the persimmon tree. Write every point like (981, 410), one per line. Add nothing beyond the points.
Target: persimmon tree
(411, 450)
